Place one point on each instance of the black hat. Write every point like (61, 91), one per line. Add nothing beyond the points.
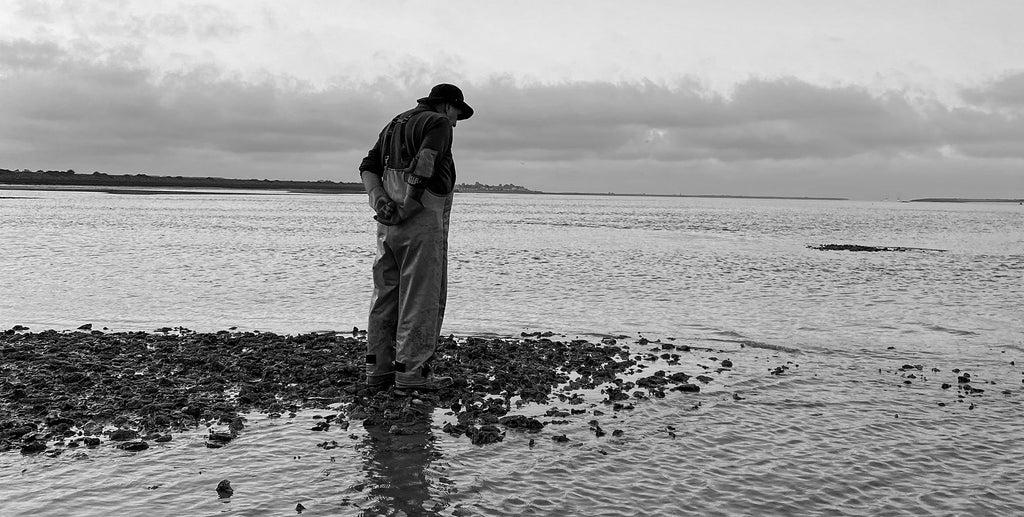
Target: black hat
(445, 92)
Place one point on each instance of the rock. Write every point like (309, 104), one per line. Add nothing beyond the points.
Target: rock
(220, 436)
(133, 446)
(454, 430)
(521, 422)
(122, 435)
(33, 447)
(727, 363)
(485, 434)
(164, 438)
(224, 489)
(858, 247)
(560, 438)
(22, 430)
(218, 439)
(679, 377)
(687, 388)
(237, 424)
(87, 326)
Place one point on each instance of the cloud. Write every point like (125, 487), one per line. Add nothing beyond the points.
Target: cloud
(208, 21)
(761, 119)
(1005, 92)
(39, 11)
(87, 106)
(21, 55)
(55, 101)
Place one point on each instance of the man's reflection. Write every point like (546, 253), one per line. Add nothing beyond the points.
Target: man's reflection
(397, 450)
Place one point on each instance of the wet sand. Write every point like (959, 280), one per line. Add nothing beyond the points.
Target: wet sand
(88, 388)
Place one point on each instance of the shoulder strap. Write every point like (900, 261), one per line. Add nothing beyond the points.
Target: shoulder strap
(393, 142)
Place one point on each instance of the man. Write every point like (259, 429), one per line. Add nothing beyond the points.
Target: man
(410, 175)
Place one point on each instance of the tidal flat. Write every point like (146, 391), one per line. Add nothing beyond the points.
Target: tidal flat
(176, 422)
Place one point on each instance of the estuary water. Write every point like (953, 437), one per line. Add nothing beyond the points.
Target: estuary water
(843, 399)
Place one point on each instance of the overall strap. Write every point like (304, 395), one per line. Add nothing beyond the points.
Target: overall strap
(393, 143)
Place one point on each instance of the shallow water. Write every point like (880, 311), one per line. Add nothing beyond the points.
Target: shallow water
(837, 434)
(842, 431)
(295, 263)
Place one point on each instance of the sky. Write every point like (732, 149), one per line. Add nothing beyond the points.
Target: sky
(859, 99)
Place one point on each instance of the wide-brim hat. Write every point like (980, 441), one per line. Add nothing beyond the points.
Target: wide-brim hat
(445, 92)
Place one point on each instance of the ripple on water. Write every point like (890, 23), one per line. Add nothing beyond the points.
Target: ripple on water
(822, 438)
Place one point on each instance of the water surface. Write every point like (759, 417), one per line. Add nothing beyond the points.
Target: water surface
(841, 430)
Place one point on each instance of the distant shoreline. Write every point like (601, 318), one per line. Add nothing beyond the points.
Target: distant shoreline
(155, 190)
(123, 183)
(962, 200)
(142, 184)
(713, 196)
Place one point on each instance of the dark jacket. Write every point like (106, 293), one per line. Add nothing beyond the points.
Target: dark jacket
(424, 129)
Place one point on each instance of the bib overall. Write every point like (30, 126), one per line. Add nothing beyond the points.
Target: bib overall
(410, 279)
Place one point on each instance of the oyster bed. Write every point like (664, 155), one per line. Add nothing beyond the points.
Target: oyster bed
(65, 390)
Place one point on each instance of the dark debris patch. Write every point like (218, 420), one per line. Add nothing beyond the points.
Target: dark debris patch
(71, 384)
(858, 247)
(68, 386)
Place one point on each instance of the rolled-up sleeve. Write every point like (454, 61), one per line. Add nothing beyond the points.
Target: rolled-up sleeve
(374, 162)
(435, 142)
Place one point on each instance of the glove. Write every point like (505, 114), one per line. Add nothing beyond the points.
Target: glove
(410, 207)
(385, 208)
(379, 200)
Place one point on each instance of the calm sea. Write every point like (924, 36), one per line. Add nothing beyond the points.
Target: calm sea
(842, 430)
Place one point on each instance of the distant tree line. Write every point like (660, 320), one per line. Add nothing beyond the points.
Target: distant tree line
(101, 179)
(480, 187)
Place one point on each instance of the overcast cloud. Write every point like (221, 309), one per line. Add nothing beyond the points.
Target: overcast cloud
(101, 103)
